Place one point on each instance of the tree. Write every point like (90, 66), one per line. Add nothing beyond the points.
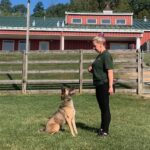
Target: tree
(101, 4)
(143, 13)
(19, 10)
(57, 10)
(5, 7)
(82, 5)
(140, 6)
(39, 10)
(112, 3)
(123, 6)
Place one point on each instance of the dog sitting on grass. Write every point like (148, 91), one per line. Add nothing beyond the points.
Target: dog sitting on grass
(64, 115)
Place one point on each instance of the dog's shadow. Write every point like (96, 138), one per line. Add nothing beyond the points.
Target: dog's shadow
(86, 127)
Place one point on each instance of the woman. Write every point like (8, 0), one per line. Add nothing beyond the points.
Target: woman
(102, 70)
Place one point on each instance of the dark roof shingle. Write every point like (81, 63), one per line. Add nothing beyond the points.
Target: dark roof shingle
(52, 23)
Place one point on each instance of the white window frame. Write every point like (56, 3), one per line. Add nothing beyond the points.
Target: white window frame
(76, 23)
(45, 42)
(125, 44)
(91, 19)
(13, 47)
(121, 19)
(19, 45)
(105, 23)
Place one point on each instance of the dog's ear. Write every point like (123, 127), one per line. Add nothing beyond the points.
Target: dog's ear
(72, 91)
(62, 91)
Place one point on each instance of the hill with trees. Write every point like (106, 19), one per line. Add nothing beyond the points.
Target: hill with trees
(140, 8)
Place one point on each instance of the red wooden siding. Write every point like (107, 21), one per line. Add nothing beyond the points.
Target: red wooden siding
(16, 44)
(34, 44)
(78, 44)
(145, 38)
(69, 33)
(0, 44)
(54, 44)
(128, 19)
(69, 44)
(111, 34)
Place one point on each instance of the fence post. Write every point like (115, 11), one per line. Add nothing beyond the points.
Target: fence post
(139, 90)
(142, 71)
(81, 71)
(24, 73)
(25, 54)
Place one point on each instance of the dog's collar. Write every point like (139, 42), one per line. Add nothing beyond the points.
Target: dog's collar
(68, 98)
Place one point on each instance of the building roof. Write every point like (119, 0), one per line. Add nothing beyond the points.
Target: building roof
(34, 22)
(104, 13)
(14, 22)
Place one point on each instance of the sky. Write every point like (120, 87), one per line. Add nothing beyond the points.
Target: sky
(46, 3)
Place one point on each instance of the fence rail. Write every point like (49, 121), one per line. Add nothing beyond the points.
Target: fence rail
(145, 57)
(60, 67)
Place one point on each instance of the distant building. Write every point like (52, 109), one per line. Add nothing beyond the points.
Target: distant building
(75, 31)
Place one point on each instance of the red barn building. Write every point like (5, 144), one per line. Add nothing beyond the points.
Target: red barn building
(75, 31)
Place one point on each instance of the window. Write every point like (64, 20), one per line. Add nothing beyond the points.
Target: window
(8, 45)
(118, 45)
(76, 21)
(44, 45)
(22, 45)
(91, 21)
(120, 22)
(105, 21)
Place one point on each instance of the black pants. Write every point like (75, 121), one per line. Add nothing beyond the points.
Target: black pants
(102, 96)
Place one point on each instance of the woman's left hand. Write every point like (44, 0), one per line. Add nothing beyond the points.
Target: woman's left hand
(111, 90)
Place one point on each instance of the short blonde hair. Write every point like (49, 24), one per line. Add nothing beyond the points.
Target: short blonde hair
(99, 39)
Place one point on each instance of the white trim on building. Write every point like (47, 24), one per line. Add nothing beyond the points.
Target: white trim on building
(98, 14)
(75, 29)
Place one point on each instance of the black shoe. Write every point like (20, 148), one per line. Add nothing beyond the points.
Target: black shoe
(100, 131)
(103, 134)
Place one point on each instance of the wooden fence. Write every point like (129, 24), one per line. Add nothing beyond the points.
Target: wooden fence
(145, 72)
(53, 69)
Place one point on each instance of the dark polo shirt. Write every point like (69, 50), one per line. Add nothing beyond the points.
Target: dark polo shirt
(100, 66)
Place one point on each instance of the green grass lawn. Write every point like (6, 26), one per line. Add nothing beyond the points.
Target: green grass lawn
(22, 116)
(146, 57)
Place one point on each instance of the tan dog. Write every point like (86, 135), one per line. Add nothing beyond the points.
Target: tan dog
(65, 114)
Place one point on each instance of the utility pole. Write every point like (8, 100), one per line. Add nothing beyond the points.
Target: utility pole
(25, 54)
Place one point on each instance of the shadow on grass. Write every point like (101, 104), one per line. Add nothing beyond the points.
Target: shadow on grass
(122, 85)
(14, 85)
(86, 127)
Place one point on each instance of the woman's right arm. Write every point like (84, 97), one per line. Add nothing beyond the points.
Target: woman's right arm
(90, 68)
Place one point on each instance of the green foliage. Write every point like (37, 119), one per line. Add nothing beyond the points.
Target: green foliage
(143, 13)
(5, 7)
(123, 6)
(83, 6)
(19, 10)
(57, 10)
(140, 8)
(39, 10)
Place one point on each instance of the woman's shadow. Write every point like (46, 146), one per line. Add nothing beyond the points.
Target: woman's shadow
(86, 127)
